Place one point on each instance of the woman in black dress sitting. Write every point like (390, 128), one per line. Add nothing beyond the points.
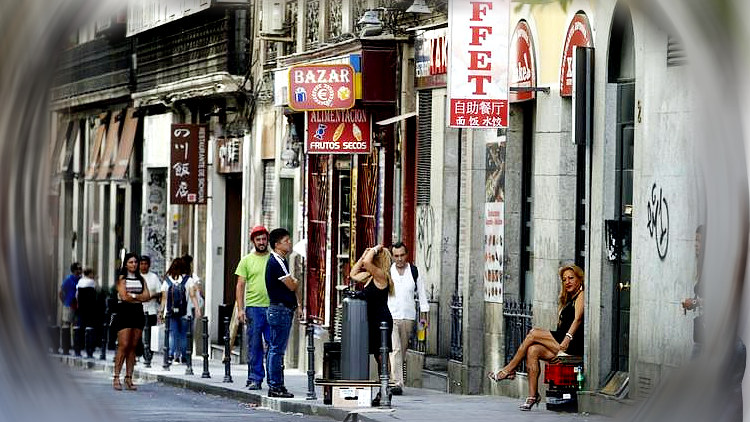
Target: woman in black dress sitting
(546, 345)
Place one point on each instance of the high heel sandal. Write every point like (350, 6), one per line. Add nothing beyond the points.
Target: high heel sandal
(530, 402)
(129, 383)
(501, 375)
(116, 383)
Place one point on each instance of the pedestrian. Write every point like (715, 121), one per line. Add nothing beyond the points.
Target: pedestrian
(251, 305)
(67, 295)
(87, 313)
(406, 285)
(283, 294)
(132, 291)
(150, 308)
(175, 295)
(545, 345)
(195, 292)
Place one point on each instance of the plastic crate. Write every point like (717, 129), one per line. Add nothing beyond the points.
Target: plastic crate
(560, 375)
(562, 401)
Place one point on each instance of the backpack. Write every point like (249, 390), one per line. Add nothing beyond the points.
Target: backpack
(414, 275)
(177, 298)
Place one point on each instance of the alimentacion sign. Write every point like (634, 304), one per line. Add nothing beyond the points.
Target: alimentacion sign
(338, 132)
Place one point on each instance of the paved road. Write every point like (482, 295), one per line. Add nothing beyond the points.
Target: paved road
(162, 403)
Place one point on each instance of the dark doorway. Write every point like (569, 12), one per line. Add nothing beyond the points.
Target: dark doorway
(526, 287)
(232, 234)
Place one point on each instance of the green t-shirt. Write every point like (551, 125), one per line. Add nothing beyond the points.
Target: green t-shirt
(252, 268)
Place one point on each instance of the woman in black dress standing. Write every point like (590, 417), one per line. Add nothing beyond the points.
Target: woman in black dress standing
(373, 269)
(129, 321)
(545, 345)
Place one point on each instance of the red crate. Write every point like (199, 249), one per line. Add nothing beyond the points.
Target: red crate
(560, 374)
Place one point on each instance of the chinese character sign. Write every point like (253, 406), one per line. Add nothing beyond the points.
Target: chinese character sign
(321, 87)
(187, 168)
(478, 64)
(338, 132)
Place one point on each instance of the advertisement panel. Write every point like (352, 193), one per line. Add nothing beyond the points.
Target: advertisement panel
(431, 58)
(494, 229)
(339, 132)
(579, 34)
(523, 64)
(478, 63)
(187, 166)
(321, 87)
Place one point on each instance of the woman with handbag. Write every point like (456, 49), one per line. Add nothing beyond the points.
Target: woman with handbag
(132, 291)
(545, 345)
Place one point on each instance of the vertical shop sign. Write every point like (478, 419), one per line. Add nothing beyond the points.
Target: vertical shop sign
(579, 34)
(523, 64)
(187, 167)
(494, 229)
(478, 64)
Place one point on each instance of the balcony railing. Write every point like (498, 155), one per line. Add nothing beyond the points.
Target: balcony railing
(517, 317)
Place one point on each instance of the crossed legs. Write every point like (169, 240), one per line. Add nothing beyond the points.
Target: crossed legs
(538, 345)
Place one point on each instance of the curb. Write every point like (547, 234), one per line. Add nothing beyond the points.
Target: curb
(279, 405)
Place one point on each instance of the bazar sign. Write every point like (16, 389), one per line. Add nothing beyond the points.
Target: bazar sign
(187, 166)
(321, 87)
(338, 132)
(523, 67)
(431, 58)
(478, 76)
(579, 34)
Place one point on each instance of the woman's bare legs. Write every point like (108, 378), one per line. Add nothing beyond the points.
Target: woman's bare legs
(134, 336)
(535, 353)
(535, 336)
(123, 339)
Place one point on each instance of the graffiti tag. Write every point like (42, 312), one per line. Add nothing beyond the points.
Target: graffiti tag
(658, 221)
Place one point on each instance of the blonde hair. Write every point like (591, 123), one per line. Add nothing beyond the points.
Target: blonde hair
(564, 296)
(382, 260)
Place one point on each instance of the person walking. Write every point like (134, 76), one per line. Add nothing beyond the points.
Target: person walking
(175, 296)
(283, 290)
(129, 321)
(406, 285)
(251, 305)
(150, 308)
(86, 297)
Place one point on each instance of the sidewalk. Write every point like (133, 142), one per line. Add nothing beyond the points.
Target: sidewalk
(416, 405)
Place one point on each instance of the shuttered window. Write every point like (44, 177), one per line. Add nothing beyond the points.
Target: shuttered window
(269, 193)
(424, 147)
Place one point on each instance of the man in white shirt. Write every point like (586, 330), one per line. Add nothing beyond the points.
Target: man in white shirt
(407, 284)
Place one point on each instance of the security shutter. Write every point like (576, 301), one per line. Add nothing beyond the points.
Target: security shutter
(269, 192)
(424, 147)
(675, 52)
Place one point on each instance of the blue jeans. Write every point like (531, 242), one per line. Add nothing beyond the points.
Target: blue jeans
(257, 331)
(280, 320)
(178, 336)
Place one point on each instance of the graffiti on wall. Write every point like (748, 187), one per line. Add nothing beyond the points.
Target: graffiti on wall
(494, 226)
(154, 220)
(658, 220)
(425, 231)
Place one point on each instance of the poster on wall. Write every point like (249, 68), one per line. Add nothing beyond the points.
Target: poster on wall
(494, 233)
(154, 220)
(478, 64)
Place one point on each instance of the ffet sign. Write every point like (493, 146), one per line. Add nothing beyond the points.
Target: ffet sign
(321, 87)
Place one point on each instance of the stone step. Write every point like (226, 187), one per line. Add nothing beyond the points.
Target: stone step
(435, 380)
(436, 363)
(217, 354)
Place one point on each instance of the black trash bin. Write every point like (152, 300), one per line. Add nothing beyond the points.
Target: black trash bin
(355, 360)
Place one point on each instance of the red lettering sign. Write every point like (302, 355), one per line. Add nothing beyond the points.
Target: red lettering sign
(431, 58)
(321, 87)
(523, 63)
(579, 34)
(338, 132)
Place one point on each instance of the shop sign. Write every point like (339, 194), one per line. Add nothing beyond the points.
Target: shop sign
(321, 87)
(579, 34)
(187, 166)
(339, 132)
(478, 60)
(431, 58)
(229, 152)
(523, 63)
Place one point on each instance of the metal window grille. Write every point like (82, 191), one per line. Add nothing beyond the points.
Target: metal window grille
(334, 18)
(517, 317)
(424, 147)
(290, 22)
(269, 192)
(457, 328)
(312, 13)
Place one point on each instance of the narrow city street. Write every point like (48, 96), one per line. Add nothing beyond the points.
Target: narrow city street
(163, 403)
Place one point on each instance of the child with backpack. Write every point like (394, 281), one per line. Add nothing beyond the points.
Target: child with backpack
(174, 304)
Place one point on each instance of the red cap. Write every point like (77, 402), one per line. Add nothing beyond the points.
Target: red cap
(258, 230)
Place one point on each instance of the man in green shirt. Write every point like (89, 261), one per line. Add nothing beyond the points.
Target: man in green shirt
(251, 285)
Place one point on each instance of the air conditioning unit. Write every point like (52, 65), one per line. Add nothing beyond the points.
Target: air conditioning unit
(273, 18)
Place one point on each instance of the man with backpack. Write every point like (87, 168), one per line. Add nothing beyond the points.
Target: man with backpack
(407, 284)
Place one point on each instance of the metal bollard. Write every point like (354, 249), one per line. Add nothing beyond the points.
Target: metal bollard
(77, 340)
(385, 398)
(227, 353)
(167, 361)
(189, 352)
(147, 353)
(310, 331)
(89, 336)
(105, 334)
(205, 373)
